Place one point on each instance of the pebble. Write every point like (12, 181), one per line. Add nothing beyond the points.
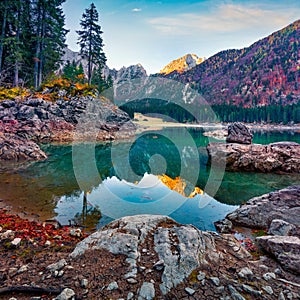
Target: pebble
(75, 232)
(201, 276)
(35, 298)
(57, 266)
(278, 271)
(84, 283)
(269, 276)
(281, 296)
(23, 269)
(268, 289)
(16, 242)
(60, 273)
(190, 291)
(245, 273)
(159, 266)
(248, 289)
(8, 234)
(147, 291)
(113, 286)
(12, 271)
(130, 296)
(131, 280)
(1, 228)
(47, 243)
(66, 294)
(234, 293)
(215, 280)
(220, 289)
(12, 298)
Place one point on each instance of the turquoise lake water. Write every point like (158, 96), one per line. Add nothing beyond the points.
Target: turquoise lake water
(116, 179)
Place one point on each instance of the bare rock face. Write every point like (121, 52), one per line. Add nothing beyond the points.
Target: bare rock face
(280, 157)
(259, 212)
(16, 148)
(279, 212)
(172, 249)
(284, 248)
(239, 133)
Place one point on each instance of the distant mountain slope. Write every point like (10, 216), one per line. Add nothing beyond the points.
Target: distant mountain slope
(125, 73)
(182, 64)
(267, 72)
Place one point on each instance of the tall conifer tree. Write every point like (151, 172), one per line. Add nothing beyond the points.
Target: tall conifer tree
(90, 41)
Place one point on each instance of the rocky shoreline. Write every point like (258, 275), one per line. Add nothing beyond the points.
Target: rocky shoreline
(25, 124)
(154, 257)
(239, 154)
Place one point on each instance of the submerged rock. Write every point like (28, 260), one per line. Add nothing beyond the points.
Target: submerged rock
(281, 157)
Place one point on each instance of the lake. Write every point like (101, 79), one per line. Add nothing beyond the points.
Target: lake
(93, 184)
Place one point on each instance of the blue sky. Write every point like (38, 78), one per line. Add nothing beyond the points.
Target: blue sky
(154, 33)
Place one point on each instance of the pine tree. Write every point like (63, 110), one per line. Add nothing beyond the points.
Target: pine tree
(49, 37)
(91, 42)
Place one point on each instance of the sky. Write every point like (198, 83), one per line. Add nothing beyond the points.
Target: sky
(154, 33)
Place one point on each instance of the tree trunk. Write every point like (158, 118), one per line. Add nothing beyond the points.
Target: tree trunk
(17, 62)
(3, 33)
(37, 49)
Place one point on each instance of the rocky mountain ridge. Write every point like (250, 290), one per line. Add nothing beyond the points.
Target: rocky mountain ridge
(182, 64)
(125, 73)
(266, 73)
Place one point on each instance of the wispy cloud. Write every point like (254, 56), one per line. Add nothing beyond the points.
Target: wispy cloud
(136, 9)
(225, 18)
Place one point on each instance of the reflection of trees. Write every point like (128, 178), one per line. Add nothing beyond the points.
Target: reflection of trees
(89, 217)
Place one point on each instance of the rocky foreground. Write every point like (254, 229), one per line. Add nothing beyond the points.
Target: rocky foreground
(24, 124)
(143, 257)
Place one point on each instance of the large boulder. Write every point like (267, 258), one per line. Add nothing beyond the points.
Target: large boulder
(239, 133)
(280, 157)
(171, 249)
(16, 148)
(259, 212)
(286, 250)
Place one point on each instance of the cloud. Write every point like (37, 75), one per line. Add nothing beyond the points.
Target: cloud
(136, 9)
(226, 18)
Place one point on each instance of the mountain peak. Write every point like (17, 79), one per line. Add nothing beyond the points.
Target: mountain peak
(182, 64)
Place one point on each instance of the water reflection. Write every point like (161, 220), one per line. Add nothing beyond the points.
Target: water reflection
(117, 198)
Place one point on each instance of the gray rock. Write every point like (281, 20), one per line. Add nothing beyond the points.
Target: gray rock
(268, 289)
(269, 276)
(215, 280)
(84, 283)
(260, 211)
(57, 266)
(239, 133)
(280, 157)
(132, 281)
(235, 294)
(22, 269)
(284, 248)
(16, 148)
(8, 234)
(245, 273)
(147, 291)
(201, 276)
(113, 286)
(159, 266)
(130, 296)
(281, 227)
(281, 296)
(248, 289)
(16, 242)
(190, 291)
(66, 294)
(223, 226)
